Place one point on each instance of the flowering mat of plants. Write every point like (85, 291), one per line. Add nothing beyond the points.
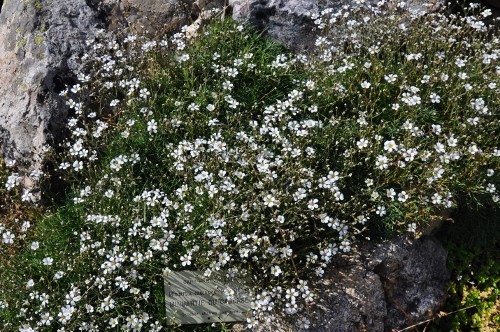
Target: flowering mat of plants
(219, 151)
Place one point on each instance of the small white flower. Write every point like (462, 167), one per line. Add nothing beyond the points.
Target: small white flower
(312, 204)
(435, 98)
(436, 129)
(113, 322)
(382, 162)
(390, 146)
(107, 304)
(8, 237)
(403, 196)
(490, 187)
(362, 143)
(152, 126)
(47, 261)
(144, 93)
(186, 260)
(436, 199)
(391, 78)
(270, 201)
(276, 271)
(365, 85)
(412, 228)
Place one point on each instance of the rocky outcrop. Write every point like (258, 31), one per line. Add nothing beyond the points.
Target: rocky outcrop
(380, 288)
(40, 47)
(38, 50)
(289, 21)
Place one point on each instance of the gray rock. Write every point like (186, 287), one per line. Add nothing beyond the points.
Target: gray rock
(380, 287)
(414, 278)
(151, 17)
(40, 47)
(288, 21)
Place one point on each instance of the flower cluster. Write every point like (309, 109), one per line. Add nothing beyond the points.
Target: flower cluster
(225, 154)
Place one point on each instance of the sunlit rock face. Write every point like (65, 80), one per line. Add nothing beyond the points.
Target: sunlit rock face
(289, 21)
(40, 53)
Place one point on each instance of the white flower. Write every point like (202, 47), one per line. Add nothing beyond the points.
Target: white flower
(439, 147)
(362, 143)
(113, 322)
(107, 304)
(435, 98)
(436, 199)
(490, 187)
(345, 245)
(77, 165)
(12, 181)
(403, 196)
(46, 319)
(485, 13)
(365, 85)
(186, 260)
(144, 93)
(8, 237)
(224, 258)
(312, 204)
(270, 201)
(391, 78)
(452, 141)
(436, 129)
(276, 270)
(412, 228)
(391, 193)
(390, 146)
(380, 211)
(152, 126)
(47, 261)
(382, 162)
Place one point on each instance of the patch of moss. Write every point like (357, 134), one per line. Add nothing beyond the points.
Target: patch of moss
(38, 40)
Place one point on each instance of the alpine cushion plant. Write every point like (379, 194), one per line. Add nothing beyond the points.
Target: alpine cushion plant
(224, 153)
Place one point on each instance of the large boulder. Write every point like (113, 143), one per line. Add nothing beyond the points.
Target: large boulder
(289, 21)
(40, 48)
(380, 288)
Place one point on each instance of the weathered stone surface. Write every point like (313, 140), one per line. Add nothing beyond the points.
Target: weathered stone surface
(151, 17)
(40, 47)
(380, 287)
(414, 277)
(288, 21)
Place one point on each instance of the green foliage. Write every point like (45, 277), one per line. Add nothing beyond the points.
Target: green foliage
(473, 245)
(224, 152)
